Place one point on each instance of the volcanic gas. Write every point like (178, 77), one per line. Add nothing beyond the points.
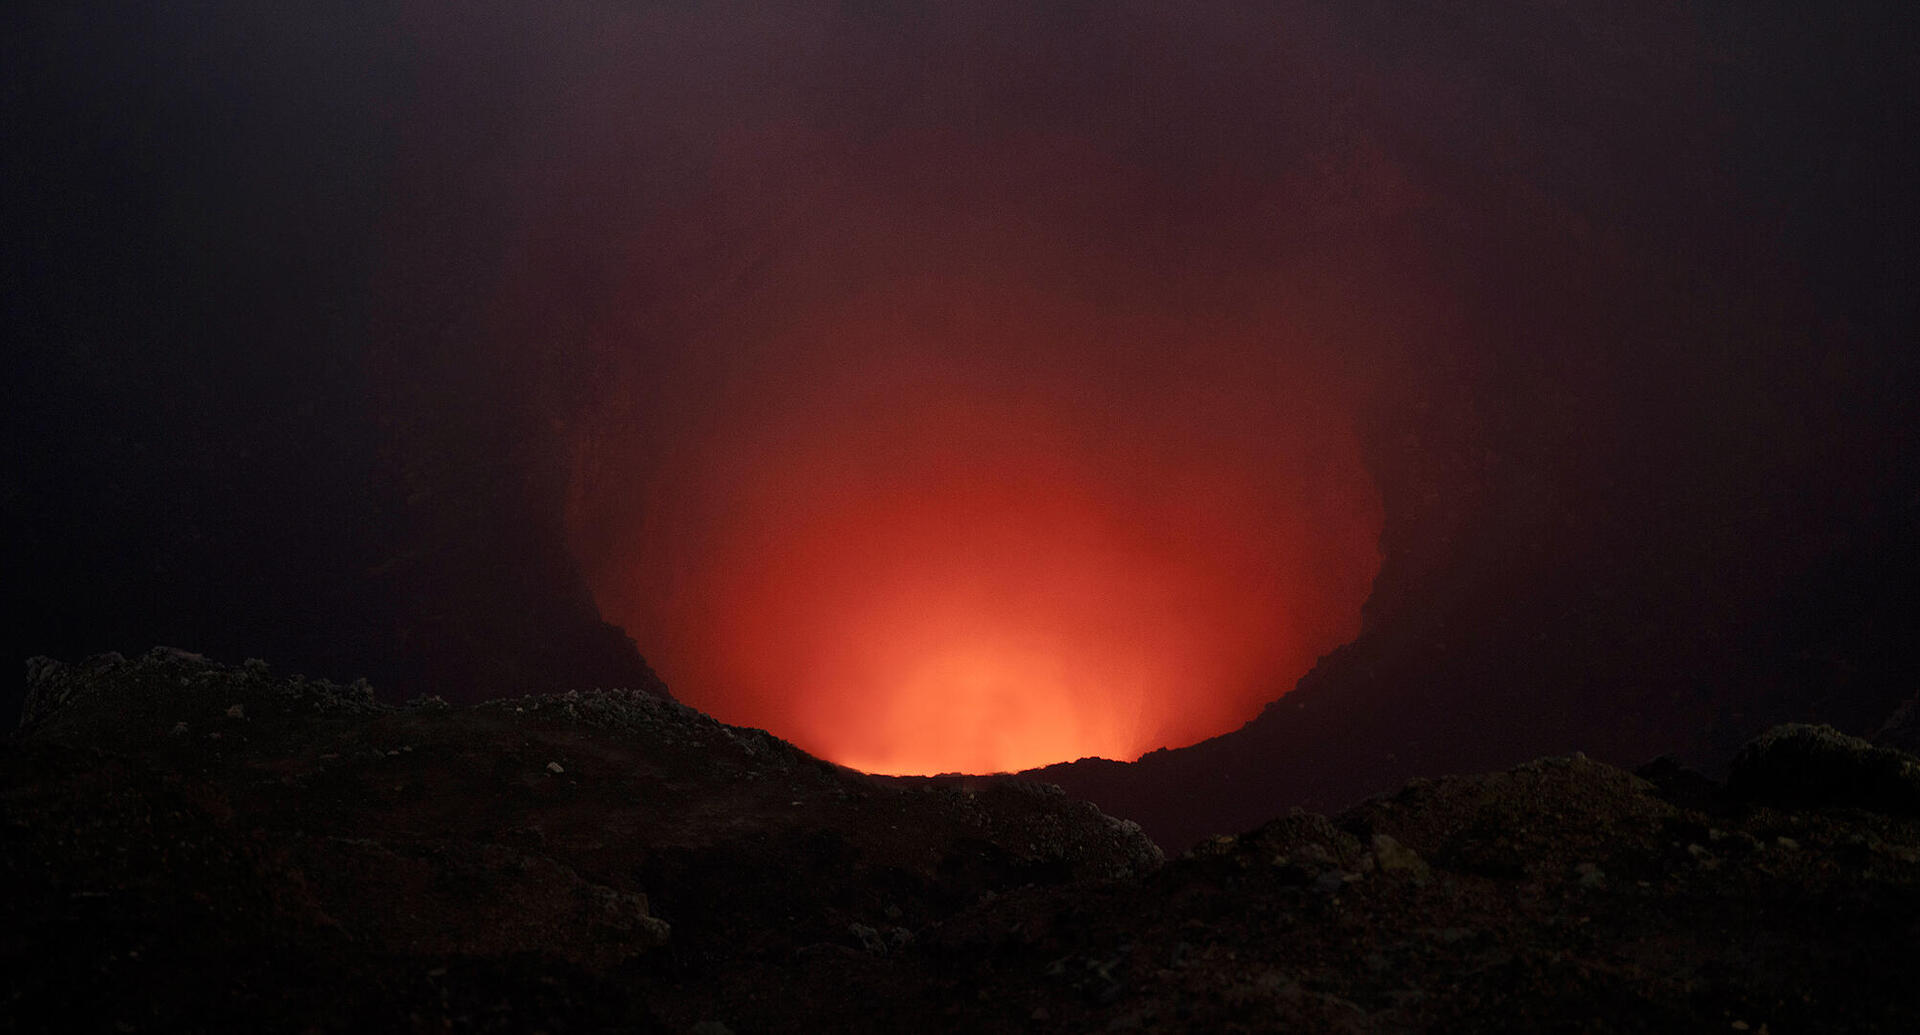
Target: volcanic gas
(934, 428)
(932, 540)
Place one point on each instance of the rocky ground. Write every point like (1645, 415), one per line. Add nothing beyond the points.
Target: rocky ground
(190, 846)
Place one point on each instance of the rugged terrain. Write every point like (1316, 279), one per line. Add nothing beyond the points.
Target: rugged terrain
(190, 846)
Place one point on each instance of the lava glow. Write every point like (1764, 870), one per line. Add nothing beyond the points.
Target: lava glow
(982, 561)
(941, 422)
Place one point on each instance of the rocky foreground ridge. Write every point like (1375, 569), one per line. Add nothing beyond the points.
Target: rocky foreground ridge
(190, 846)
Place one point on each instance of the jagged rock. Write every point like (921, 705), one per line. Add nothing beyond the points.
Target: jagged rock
(337, 867)
(418, 834)
(1678, 784)
(1817, 765)
(1390, 856)
(115, 701)
(1901, 731)
(1303, 838)
(869, 939)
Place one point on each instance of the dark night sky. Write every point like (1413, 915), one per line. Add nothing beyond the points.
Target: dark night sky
(974, 385)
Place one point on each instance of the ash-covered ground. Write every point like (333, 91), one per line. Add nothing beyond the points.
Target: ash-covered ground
(190, 846)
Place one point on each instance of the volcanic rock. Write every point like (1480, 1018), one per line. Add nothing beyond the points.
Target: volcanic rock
(334, 863)
(1819, 765)
(1902, 729)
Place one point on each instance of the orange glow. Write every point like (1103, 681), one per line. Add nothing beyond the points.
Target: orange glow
(932, 453)
(944, 560)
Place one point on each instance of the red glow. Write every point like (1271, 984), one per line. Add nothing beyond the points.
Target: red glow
(932, 560)
(939, 439)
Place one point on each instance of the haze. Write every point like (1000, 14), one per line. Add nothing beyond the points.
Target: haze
(979, 385)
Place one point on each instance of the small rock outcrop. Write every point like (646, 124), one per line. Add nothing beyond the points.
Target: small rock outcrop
(1806, 765)
(1901, 731)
